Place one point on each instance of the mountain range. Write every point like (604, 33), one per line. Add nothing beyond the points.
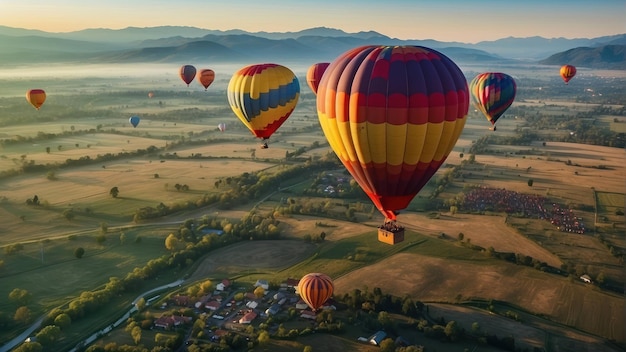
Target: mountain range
(180, 44)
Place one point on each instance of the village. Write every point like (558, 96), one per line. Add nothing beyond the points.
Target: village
(236, 309)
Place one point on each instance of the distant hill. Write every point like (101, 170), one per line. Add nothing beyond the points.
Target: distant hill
(606, 56)
(175, 43)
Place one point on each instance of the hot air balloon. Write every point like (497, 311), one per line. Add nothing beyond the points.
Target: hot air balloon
(392, 114)
(206, 77)
(222, 127)
(567, 72)
(263, 96)
(492, 93)
(134, 120)
(314, 75)
(150, 95)
(315, 289)
(187, 73)
(36, 97)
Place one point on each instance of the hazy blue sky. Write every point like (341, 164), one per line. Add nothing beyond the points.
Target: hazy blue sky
(446, 20)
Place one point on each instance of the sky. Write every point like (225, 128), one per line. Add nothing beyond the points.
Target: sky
(468, 21)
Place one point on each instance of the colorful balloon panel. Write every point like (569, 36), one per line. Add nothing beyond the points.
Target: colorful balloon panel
(263, 96)
(314, 75)
(206, 77)
(36, 97)
(567, 72)
(492, 94)
(187, 73)
(134, 120)
(392, 114)
(315, 289)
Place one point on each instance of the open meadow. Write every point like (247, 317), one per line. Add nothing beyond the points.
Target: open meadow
(80, 146)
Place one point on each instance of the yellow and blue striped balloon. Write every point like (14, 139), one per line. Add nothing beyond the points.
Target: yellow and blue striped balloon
(263, 96)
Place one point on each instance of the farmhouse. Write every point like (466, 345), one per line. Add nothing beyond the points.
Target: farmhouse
(223, 285)
(273, 309)
(248, 318)
(168, 322)
(213, 305)
(377, 338)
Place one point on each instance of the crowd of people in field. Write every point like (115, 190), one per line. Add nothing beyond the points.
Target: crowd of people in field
(526, 205)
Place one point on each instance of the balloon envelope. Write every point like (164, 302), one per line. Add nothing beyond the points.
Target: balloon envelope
(150, 94)
(492, 94)
(263, 96)
(36, 97)
(134, 120)
(206, 77)
(222, 127)
(187, 73)
(567, 72)
(314, 75)
(392, 114)
(315, 289)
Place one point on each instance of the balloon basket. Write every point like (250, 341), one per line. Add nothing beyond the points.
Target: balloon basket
(390, 233)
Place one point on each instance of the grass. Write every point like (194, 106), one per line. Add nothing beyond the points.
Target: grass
(62, 275)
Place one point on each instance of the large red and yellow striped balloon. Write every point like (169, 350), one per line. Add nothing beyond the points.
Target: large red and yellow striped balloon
(492, 94)
(392, 114)
(567, 72)
(315, 289)
(263, 96)
(314, 75)
(36, 97)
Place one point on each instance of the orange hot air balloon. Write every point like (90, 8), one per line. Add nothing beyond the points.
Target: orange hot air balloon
(187, 73)
(392, 114)
(315, 289)
(150, 95)
(314, 75)
(36, 97)
(206, 77)
(567, 72)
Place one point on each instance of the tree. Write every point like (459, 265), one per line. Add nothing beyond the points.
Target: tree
(136, 334)
(114, 192)
(68, 214)
(452, 330)
(63, 320)
(264, 338)
(104, 227)
(307, 348)
(29, 347)
(48, 335)
(259, 292)
(530, 182)
(387, 345)
(171, 242)
(20, 296)
(79, 252)
(22, 315)
(461, 236)
(48, 150)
